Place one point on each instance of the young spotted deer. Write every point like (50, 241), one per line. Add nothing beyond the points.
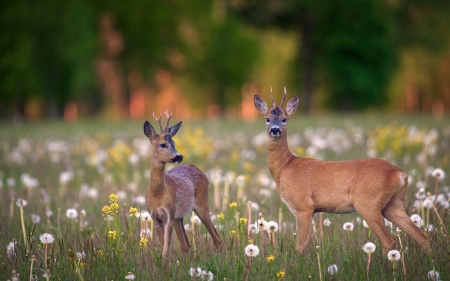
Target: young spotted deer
(175, 194)
(372, 187)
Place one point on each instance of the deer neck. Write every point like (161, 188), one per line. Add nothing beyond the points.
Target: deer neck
(278, 155)
(156, 186)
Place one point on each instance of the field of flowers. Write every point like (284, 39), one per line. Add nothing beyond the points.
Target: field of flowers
(73, 202)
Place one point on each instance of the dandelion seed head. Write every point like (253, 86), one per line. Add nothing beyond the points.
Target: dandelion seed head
(46, 238)
(272, 226)
(327, 222)
(438, 174)
(348, 226)
(71, 213)
(332, 269)
(394, 255)
(433, 275)
(21, 202)
(251, 250)
(130, 276)
(369, 247)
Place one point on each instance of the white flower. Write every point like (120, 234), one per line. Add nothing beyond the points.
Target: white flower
(348, 226)
(438, 174)
(139, 200)
(427, 203)
(195, 272)
(421, 194)
(71, 213)
(35, 218)
(272, 226)
(333, 269)
(46, 238)
(394, 255)
(207, 275)
(369, 247)
(251, 250)
(261, 225)
(49, 213)
(80, 255)
(429, 228)
(11, 249)
(21, 202)
(417, 220)
(187, 227)
(65, 177)
(327, 222)
(195, 220)
(433, 275)
(365, 224)
(130, 276)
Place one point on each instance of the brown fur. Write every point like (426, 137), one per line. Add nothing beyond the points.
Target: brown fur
(372, 187)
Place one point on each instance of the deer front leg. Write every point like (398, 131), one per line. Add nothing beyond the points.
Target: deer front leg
(167, 238)
(303, 220)
(181, 234)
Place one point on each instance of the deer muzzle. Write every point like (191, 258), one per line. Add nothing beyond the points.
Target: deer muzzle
(275, 131)
(177, 159)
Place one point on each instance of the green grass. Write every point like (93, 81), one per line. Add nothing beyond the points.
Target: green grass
(231, 147)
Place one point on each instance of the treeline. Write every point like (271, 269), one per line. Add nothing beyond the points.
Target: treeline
(108, 57)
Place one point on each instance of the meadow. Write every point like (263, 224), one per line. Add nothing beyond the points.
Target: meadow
(73, 202)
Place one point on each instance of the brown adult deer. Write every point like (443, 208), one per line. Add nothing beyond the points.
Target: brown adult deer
(175, 194)
(372, 187)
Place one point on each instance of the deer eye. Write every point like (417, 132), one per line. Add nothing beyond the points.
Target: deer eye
(267, 120)
(163, 145)
(284, 120)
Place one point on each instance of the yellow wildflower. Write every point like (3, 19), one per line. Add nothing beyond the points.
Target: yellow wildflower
(270, 258)
(100, 252)
(133, 211)
(233, 205)
(233, 232)
(221, 216)
(112, 234)
(281, 273)
(250, 240)
(106, 210)
(113, 197)
(82, 264)
(243, 220)
(143, 241)
(114, 208)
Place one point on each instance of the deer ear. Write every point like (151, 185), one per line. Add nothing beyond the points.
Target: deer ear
(149, 131)
(261, 105)
(292, 105)
(174, 129)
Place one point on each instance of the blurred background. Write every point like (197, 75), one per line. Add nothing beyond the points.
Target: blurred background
(125, 59)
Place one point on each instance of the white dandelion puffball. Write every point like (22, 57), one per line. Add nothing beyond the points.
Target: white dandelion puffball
(348, 226)
(369, 247)
(65, 177)
(427, 203)
(71, 213)
(195, 220)
(251, 250)
(35, 218)
(332, 269)
(327, 222)
(21, 202)
(130, 276)
(417, 220)
(272, 226)
(433, 275)
(195, 272)
(365, 224)
(46, 238)
(394, 255)
(438, 174)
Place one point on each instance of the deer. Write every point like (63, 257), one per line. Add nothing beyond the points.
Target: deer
(373, 187)
(171, 196)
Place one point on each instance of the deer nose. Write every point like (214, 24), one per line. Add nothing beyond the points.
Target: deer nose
(275, 131)
(177, 159)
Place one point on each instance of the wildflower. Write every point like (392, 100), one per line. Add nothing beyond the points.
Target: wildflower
(348, 226)
(333, 269)
(100, 252)
(71, 213)
(143, 242)
(195, 220)
(421, 194)
(114, 208)
(65, 177)
(233, 232)
(427, 203)
(327, 222)
(281, 273)
(270, 258)
(250, 240)
(417, 220)
(221, 216)
(113, 197)
(251, 250)
(243, 220)
(35, 218)
(438, 174)
(133, 211)
(21, 202)
(272, 226)
(112, 234)
(130, 276)
(233, 205)
(433, 275)
(394, 255)
(46, 238)
(365, 224)
(106, 210)
(11, 249)
(207, 275)
(261, 225)
(369, 247)
(80, 255)
(195, 272)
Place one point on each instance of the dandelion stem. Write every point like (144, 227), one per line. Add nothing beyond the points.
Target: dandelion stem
(25, 242)
(442, 223)
(33, 258)
(318, 263)
(403, 254)
(77, 268)
(368, 265)
(248, 269)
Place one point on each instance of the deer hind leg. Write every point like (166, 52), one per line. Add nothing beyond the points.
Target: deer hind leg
(203, 214)
(181, 234)
(376, 223)
(303, 220)
(395, 212)
(167, 238)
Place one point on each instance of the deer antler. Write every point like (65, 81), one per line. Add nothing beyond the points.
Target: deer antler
(159, 121)
(168, 120)
(273, 101)
(284, 97)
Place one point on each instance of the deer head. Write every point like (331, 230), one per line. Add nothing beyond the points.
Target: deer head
(276, 117)
(163, 147)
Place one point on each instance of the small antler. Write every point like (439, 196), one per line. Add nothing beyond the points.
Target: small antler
(273, 101)
(284, 97)
(159, 121)
(168, 120)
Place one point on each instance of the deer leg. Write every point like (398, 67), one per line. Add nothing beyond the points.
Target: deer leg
(160, 230)
(303, 220)
(395, 212)
(203, 215)
(375, 221)
(181, 234)
(167, 237)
